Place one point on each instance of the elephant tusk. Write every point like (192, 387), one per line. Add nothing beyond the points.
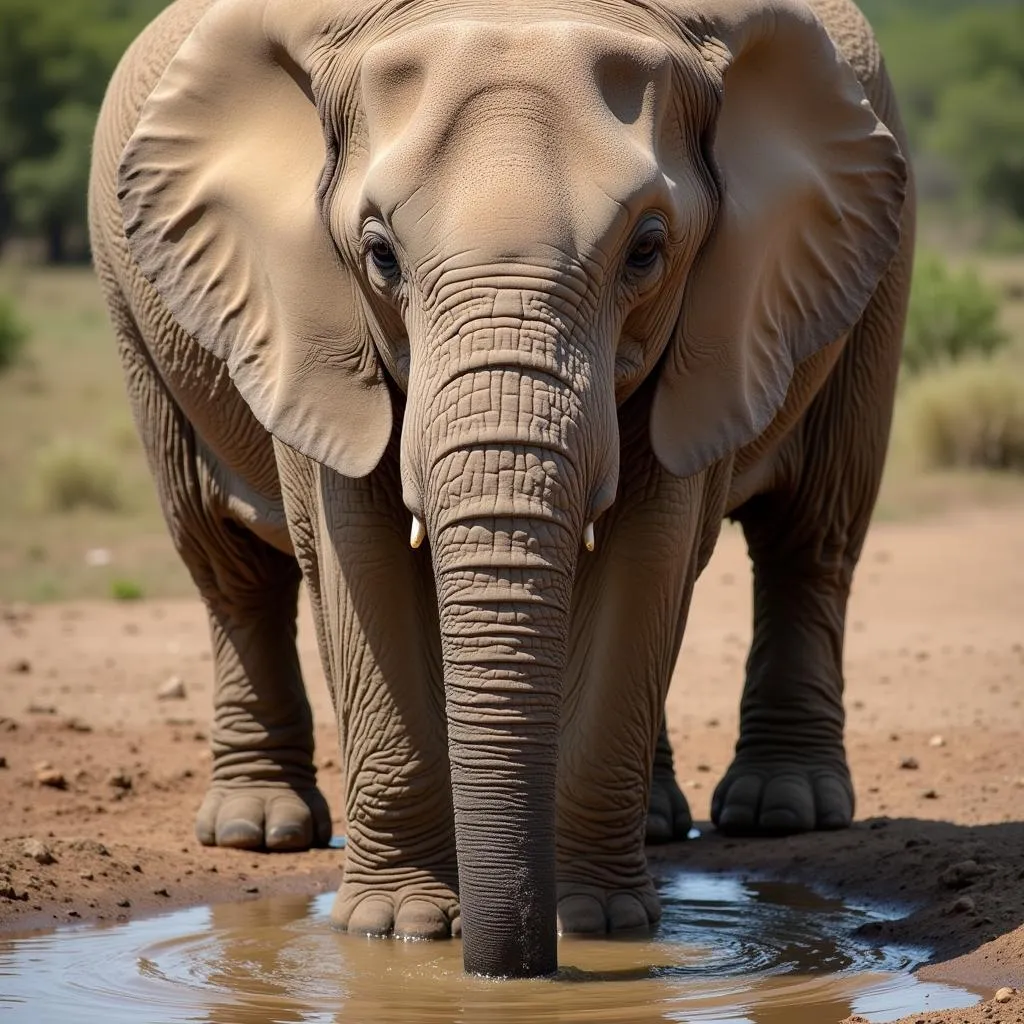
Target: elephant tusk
(588, 536)
(417, 534)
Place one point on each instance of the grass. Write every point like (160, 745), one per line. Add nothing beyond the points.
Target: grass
(63, 413)
(66, 384)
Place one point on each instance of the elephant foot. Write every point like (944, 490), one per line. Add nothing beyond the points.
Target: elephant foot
(264, 816)
(772, 792)
(597, 910)
(429, 910)
(668, 813)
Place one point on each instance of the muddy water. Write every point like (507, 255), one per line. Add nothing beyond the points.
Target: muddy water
(727, 952)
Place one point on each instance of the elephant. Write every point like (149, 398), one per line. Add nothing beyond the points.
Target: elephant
(479, 318)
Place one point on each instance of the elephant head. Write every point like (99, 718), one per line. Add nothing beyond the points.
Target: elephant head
(516, 216)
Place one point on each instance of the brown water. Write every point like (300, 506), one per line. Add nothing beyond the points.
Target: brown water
(727, 952)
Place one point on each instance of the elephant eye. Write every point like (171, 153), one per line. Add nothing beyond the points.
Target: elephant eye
(645, 251)
(382, 256)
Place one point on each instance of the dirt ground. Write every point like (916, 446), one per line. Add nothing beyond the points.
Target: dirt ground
(106, 777)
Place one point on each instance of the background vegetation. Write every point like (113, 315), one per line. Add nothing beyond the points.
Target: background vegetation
(78, 516)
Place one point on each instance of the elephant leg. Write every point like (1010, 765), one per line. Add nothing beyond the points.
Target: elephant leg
(263, 790)
(790, 772)
(668, 813)
(631, 599)
(376, 618)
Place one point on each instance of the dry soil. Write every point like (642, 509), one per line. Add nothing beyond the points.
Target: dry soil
(99, 779)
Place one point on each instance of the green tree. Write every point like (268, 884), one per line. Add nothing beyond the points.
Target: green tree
(55, 61)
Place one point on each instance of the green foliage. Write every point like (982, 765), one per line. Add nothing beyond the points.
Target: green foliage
(958, 69)
(71, 476)
(952, 314)
(55, 61)
(13, 334)
(969, 415)
(125, 590)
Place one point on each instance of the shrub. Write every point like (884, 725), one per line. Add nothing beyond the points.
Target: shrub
(968, 415)
(952, 314)
(12, 333)
(71, 476)
(125, 590)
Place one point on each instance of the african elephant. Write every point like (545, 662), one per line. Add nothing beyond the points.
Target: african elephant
(556, 286)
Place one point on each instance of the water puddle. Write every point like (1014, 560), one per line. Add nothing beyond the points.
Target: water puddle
(727, 952)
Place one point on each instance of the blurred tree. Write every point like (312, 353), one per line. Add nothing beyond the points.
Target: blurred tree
(55, 61)
(958, 68)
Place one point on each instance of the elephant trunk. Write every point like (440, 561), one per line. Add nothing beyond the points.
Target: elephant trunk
(506, 490)
(503, 636)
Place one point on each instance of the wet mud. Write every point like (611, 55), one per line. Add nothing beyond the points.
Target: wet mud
(728, 951)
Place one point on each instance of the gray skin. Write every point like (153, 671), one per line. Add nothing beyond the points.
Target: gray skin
(511, 269)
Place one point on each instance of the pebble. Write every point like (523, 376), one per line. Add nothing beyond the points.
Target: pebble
(86, 876)
(51, 777)
(124, 902)
(959, 875)
(910, 764)
(38, 851)
(172, 689)
(1004, 995)
(3, 761)
(120, 780)
(162, 891)
(20, 666)
(9, 892)
(251, 888)
(930, 794)
(964, 905)
(937, 741)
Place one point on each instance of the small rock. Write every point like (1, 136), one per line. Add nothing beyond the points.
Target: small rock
(162, 891)
(251, 888)
(937, 741)
(3, 761)
(77, 725)
(9, 892)
(97, 557)
(959, 876)
(86, 876)
(964, 905)
(20, 666)
(124, 902)
(930, 794)
(120, 780)
(1004, 995)
(51, 777)
(910, 764)
(172, 689)
(38, 851)
(40, 709)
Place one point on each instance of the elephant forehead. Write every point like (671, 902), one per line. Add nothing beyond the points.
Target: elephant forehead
(561, 95)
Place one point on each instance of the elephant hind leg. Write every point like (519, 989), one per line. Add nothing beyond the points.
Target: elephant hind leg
(668, 814)
(263, 790)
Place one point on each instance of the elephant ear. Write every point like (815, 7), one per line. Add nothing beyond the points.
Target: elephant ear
(218, 186)
(811, 191)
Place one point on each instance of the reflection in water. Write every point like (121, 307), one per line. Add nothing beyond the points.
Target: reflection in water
(727, 952)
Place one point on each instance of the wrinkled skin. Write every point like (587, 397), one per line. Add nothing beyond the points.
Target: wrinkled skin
(511, 270)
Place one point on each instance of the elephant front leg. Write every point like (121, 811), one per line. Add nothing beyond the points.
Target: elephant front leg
(630, 603)
(376, 617)
(790, 772)
(263, 789)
